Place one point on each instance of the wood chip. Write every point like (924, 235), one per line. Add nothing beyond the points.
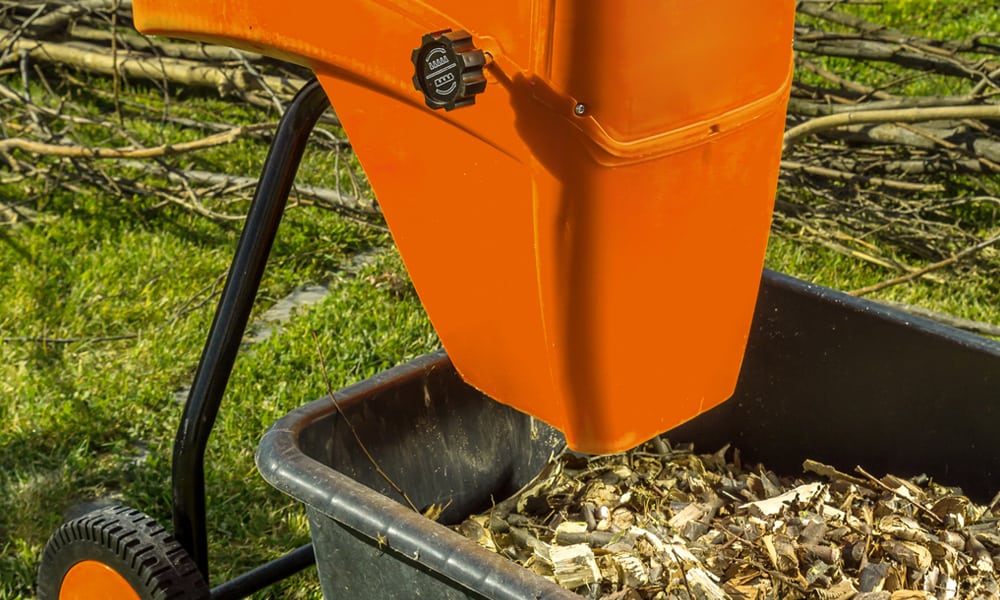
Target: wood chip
(574, 566)
(661, 522)
(776, 504)
(631, 571)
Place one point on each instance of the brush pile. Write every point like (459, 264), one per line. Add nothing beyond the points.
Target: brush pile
(893, 144)
(891, 156)
(72, 116)
(891, 153)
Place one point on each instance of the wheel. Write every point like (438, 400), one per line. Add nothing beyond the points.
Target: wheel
(117, 552)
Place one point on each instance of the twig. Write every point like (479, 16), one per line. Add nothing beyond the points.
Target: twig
(842, 81)
(161, 47)
(809, 108)
(905, 55)
(923, 509)
(279, 107)
(7, 38)
(322, 196)
(684, 575)
(60, 18)
(824, 470)
(115, 74)
(354, 432)
(823, 239)
(987, 81)
(939, 163)
(929, 268)
(217, 139)
(894, 134)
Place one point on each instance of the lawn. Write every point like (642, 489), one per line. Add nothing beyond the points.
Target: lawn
(106, 299)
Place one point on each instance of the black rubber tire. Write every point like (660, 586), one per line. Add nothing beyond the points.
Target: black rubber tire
(131, 543)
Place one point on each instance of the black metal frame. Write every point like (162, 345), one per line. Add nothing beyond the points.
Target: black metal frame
(223, 343)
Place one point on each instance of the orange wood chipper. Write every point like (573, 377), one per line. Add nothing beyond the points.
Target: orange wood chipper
(581, 192)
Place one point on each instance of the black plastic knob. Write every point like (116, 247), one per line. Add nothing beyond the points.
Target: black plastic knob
(448, 69)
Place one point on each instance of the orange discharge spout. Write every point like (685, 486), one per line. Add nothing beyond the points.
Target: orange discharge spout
(581, 191)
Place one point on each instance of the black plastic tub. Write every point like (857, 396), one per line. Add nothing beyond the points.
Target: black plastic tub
(826, 376)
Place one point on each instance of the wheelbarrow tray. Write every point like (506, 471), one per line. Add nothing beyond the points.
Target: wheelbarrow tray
(826, 376)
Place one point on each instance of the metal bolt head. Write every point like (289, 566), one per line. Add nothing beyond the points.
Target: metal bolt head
(580, 109)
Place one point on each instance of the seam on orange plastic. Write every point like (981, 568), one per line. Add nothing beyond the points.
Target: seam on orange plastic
(682, 138)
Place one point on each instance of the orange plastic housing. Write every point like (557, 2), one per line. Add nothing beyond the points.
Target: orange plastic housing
(596, 270)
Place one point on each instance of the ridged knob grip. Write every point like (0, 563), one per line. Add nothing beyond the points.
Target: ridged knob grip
(448, 69)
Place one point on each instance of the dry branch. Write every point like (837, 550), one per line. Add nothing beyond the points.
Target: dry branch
(868, 50)
(59, 19)
(218, 139)
(164, 48)
(846, 175)
(322, 196)
(892, 134)
(805, 108)
(929, 268)
(867, 164)
(130, 64)
(974, 43)
(903, 115)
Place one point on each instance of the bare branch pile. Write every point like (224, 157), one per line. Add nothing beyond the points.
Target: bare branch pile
(878, 163)
(51, 138)
(665, 523)
(883, 171)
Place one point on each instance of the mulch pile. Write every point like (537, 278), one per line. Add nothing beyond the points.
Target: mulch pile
(662, 522)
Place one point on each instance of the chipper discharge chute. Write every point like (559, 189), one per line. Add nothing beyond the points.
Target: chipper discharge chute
(591, 199)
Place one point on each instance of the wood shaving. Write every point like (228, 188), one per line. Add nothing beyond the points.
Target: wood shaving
(661, 522)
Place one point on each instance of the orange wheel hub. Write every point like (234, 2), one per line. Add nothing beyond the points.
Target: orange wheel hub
(93, 580)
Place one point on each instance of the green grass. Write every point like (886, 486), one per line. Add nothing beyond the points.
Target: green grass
(91, 418)
(84, 415)
(77, 416)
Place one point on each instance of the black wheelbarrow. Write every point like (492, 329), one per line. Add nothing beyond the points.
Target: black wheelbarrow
(507, 210)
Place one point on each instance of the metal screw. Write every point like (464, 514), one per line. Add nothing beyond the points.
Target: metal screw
(580, 109)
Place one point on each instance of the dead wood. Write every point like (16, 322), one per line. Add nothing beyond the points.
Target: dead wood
(129, 64)
(864, 165)
(186, 50)
(902, 115)
(827, 44)
(323, 197)
(929, 268)
(218, 139)
(979, 42)
(849, 175)
(870, 167)
(65, 13)
(45, 48)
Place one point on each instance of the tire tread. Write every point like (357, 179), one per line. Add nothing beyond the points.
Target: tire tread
(130, 542)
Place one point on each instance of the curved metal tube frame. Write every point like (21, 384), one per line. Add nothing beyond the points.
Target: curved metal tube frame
(231, 318)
